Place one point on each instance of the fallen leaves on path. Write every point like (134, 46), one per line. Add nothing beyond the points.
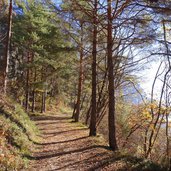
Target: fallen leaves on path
(66, 146)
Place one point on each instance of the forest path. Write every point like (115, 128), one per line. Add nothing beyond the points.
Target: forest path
(66, 146)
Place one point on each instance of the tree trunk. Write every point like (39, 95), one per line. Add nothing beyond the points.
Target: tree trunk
(44, 102)
(94, 74)
(33, 92)
(7, 52)
(80, 82)
(33, 101)
(27, 91)
(88, 116)
(43, 106)
(111, 116)
(27, 84)
(73, 113)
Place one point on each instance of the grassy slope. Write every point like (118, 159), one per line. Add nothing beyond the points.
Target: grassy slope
(17, 132)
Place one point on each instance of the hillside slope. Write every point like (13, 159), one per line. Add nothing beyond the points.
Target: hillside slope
(17, 133)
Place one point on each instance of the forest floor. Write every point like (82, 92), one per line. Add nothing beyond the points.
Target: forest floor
(65, 145)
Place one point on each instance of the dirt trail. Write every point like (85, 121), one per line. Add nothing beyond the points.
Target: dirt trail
(66, 146)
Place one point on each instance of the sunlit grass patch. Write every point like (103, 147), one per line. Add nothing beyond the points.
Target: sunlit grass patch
(17, 134)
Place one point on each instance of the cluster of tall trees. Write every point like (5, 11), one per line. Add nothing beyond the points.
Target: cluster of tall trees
(121, 36)
(90, 51)
(38, 48)
(112, 37)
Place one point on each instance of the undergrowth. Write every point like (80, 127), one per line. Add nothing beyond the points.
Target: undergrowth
(17, 134)
(59, 106)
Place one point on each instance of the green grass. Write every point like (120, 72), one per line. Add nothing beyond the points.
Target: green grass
(80, 125)
(65, 110)
(17, 134)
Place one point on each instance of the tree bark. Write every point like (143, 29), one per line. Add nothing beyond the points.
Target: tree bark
(27, 84)
(43, 106)
(111, 116)
(88, 116)
(7, 51)
(33, 101)
(94, 74)
(34, 93)
(80, 81)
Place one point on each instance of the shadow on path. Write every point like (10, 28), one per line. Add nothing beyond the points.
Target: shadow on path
(49, 118)
(66, 146)
(63, 132)
(50, 143)
(64, 153)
